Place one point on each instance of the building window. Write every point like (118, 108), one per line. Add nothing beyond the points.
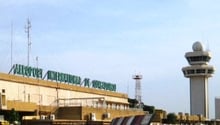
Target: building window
(210, 71)
(184, 72)
(200, 71)
(198, 58)
(191, 71)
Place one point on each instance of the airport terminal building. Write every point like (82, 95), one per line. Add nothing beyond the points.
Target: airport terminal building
(60, 95)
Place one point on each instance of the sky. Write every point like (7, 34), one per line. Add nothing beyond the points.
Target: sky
(111, 40)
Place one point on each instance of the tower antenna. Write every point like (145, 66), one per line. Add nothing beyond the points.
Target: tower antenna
(137, 79)
(128, 88)
(27, 30)
(207, 49)
(12, 43)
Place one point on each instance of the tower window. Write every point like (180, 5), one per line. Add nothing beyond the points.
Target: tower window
(200, 71)
(184, 72)
(199, 58)
(210, 71)
(190, 72)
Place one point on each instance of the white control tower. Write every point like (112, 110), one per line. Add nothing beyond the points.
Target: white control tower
(198, 72)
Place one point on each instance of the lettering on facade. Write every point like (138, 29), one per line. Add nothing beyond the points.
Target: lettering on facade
(62, 77)
(103, 85)
(27, 71)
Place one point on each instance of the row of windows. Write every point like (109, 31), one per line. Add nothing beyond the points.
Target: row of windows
(198, 71)
(198, 58)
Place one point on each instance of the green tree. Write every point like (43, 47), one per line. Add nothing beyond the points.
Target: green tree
(13, 116)
(148, 108)
(171, 118)
(132, 102)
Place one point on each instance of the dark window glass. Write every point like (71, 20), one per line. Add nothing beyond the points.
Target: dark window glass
(190, 72)
(199, 58)
(184, 72)
(210, 71)
(200, 71)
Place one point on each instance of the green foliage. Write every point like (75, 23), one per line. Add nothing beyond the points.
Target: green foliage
(171, 118)
(132, 102)
(148, 108)
(13, 116)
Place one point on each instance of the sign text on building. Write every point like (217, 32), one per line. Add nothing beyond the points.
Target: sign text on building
(27, 71)
(62, 77)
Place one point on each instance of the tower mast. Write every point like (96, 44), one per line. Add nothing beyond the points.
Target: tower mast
(27, 30)
(137, 79)
(11, 43)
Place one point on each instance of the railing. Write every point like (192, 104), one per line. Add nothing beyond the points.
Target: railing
(95, 102)
(69, 102)
(69, 122)
(91, 102)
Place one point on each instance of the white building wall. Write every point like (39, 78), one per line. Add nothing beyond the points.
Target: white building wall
(46, 95)
(199, 96)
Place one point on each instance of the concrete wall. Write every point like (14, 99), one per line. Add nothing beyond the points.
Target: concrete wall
(199, 96)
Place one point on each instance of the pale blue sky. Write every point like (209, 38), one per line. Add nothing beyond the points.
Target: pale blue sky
(110, 40)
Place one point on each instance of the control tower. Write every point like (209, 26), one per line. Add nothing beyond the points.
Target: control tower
(137, 78)
(198, 72)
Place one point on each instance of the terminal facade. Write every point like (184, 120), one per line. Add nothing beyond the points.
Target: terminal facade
(28, 93)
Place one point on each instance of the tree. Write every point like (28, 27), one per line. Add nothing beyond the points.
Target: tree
(171, 118)
(148, 108)
(132, 102)
(13, 116)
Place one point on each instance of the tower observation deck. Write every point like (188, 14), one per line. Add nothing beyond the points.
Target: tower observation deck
(198, 72)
